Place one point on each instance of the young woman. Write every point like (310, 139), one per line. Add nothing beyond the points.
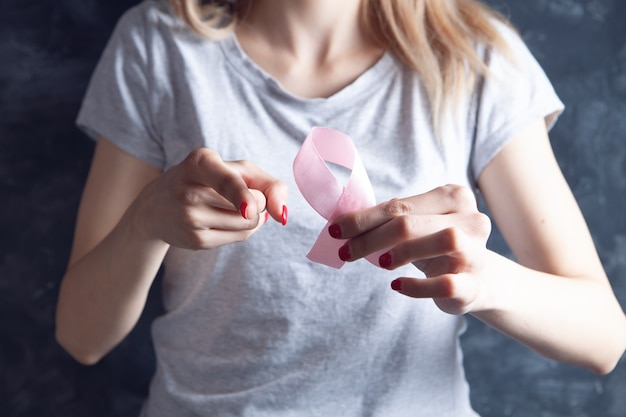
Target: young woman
(199, 109)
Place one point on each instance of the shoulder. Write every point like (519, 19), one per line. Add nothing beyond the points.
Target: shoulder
(512, 70)
(509, 33)
(152, 20)
(513, 95)
(149, 13)
(153, 38)
(510, 53)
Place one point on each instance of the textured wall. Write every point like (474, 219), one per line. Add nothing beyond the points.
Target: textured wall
(48, 49)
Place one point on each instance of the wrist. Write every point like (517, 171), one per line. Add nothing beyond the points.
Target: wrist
(140, 223)
(494, 287)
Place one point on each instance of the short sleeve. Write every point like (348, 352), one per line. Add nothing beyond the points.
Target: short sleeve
(119, 100)
(515, 94)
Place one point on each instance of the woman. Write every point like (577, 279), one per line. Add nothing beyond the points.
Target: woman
(196, 136)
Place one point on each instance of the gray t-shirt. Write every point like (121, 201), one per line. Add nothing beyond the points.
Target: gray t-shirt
(254, 328)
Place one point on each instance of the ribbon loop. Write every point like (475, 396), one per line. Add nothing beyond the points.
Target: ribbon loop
(324, 193)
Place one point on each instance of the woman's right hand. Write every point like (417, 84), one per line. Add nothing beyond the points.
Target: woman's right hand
(205, 202)
(128, 215)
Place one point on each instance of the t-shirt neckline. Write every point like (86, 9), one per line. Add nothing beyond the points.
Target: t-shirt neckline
(370, 79)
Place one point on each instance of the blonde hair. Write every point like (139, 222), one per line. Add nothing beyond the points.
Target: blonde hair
(435, 38)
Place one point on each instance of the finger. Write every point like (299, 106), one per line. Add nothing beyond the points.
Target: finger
(205, 167)
(440, 287)
(390, 234)
(442, 200)
(213, 238)
(421, 237)
(215, 212)
(275, 190)
(210, 197)
(447, 242)
(453, 294)
(261, 201)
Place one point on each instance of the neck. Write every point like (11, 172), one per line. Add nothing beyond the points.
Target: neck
(313, 48)
(310, 30)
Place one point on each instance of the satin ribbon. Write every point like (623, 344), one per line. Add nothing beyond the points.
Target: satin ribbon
(325, 194)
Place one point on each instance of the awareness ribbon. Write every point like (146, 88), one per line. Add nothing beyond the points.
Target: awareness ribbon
(325, 194)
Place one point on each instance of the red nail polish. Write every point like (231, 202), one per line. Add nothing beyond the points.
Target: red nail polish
(284, 216)
(396, 285)
(335, 231)
(385, 260)
(344, 252)
(242, 209)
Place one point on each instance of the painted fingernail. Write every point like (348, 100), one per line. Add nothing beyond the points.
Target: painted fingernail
(267, 216)
(335, 231)
(242, 209)
(396, 285)
(385, 260)
(284, 216)
(344, 252)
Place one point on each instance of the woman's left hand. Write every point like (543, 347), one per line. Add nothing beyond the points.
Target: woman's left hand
(441, 232)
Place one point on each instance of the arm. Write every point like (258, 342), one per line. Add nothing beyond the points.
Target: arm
(129, 215)
(111, 267)
(557, 300)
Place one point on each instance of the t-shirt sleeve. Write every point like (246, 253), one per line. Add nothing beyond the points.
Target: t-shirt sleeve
(515, 94)
(119, 100)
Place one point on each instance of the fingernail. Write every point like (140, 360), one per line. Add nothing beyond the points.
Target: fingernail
(385, 260)
(284, 216)
(396, 285)
(344, 252)
(267, 216)
(335, 231)
(242, 209)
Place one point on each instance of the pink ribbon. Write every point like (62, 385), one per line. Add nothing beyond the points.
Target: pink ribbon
(325, 194)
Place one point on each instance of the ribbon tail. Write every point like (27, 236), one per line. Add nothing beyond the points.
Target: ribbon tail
(325, 250)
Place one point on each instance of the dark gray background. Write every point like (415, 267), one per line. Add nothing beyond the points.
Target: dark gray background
(48, 49)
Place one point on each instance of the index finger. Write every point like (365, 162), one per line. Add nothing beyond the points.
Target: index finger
(275, 190)
(441, 200)
(205, 167)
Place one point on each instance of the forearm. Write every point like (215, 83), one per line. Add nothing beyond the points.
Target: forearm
(104, 293)
(574, 320)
